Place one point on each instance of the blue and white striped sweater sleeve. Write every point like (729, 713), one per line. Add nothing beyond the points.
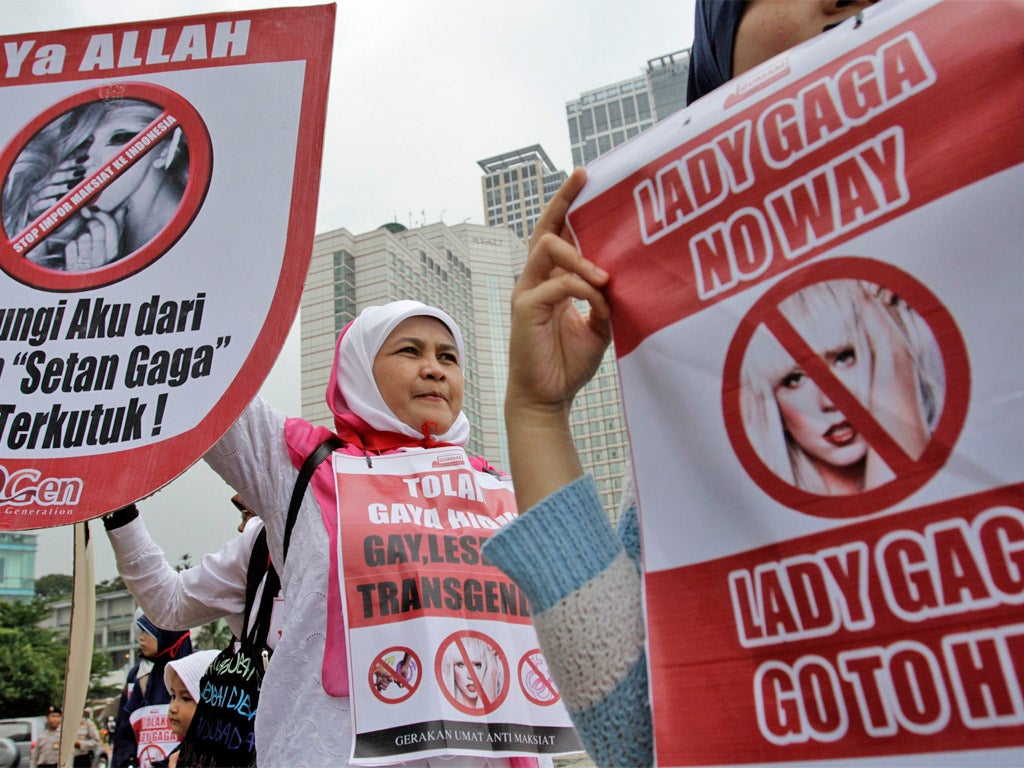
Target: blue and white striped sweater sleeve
(585, 596)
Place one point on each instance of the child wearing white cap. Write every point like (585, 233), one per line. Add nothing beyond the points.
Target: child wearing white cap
(182, 678)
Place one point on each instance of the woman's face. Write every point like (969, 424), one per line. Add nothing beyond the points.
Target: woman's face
(115, 130)
(418, 373)
(148, 645)
(464, 685)
(769, 27)
(809, 416)
(182, 706)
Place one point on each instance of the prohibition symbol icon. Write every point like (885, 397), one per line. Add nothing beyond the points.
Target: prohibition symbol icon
(472, 671)
(845, 388)
(151, 753)
(395, 675)
(100, 185)
(535, 679)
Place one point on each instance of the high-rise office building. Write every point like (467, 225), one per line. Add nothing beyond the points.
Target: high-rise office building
(606, 117)
(516, 185)
(466, 269)
(115, 634)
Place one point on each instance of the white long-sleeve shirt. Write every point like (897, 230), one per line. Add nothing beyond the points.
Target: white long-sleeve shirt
(213, 589)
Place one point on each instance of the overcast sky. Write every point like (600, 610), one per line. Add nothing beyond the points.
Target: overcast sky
(420, 91)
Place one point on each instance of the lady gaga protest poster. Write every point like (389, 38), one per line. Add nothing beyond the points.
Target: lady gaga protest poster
(159, 193)
(815, 289)
(443, 657)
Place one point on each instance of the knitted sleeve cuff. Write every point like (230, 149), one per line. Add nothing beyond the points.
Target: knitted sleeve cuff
(558, 546)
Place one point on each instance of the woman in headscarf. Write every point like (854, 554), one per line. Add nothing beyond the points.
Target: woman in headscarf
(145, 684)
(396, 385)
(554, 351)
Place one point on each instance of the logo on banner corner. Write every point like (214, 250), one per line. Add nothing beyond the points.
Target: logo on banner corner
(27, 488)
(451, 460)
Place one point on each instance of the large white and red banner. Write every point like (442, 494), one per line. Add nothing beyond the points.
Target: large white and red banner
(816, 280)
(443, 657)
(159, 181)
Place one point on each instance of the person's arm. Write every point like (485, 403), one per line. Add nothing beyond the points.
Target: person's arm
(585, 600)
(88, 737)
(553, 351)
(583, 587)
(253, 459)
(213, 589)
(124, 748)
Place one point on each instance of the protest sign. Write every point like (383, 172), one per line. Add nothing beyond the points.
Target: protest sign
(154, 738)
(159, 194)
(443, 657)
(816, 270)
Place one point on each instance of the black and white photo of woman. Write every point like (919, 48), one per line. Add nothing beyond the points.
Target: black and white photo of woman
(126, 214)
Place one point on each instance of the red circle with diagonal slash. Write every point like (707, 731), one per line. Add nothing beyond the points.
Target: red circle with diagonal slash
(15, 246)
(406, 687)
(487, 705)
(535, 679)
(911, 474)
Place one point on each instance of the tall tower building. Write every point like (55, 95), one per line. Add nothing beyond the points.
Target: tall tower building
(606, 117)
(468, 270)
(516, 185)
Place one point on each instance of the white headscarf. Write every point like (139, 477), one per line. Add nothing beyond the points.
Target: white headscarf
(190, 669)
(356, 389)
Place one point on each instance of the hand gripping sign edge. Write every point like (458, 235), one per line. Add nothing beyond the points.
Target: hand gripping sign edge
(173, 126)
(912, 472)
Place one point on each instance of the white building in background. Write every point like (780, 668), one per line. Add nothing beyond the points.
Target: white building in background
(468, 270)
(115, 633)
(516, 186)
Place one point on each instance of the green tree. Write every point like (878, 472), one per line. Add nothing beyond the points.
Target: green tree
(31, 660)
(115, 584)
(101, 667)
(54, 586)
(212, 636)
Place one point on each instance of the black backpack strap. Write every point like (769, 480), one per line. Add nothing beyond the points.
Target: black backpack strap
(325, 449)
(259, 572)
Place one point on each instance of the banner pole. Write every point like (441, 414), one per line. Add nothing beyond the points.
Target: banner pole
(80, 642)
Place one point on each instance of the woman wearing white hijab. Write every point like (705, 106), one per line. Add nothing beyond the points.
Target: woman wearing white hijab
(396, 385)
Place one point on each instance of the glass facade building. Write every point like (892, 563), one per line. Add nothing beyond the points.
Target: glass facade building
(597, 422)
(598, 121)
(602, 119)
